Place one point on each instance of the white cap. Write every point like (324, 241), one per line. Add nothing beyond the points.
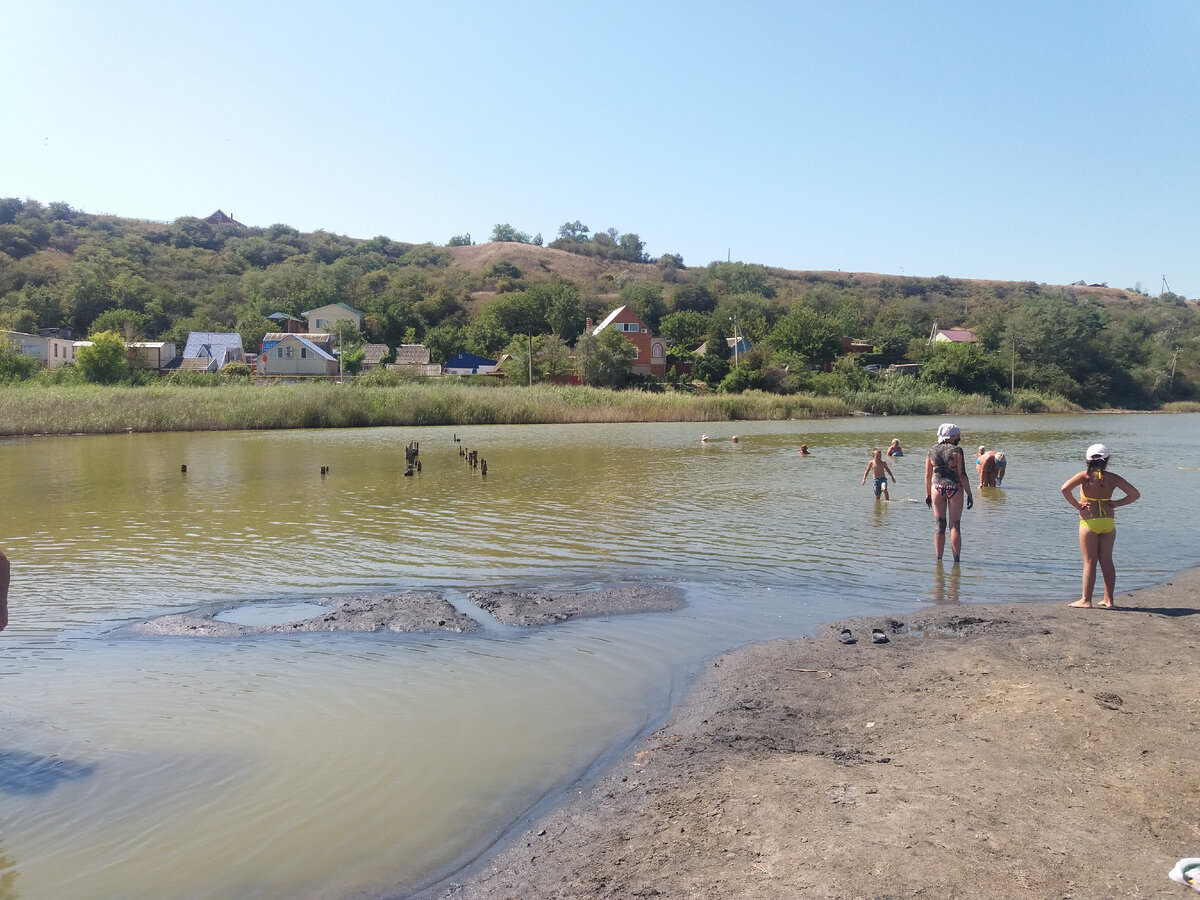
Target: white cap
(946, 431)
(1097, 451)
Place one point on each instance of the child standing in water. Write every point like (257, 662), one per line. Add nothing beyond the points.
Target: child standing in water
(1097, 527)
(881, 470)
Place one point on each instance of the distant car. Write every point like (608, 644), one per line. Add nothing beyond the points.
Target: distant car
(872, 368)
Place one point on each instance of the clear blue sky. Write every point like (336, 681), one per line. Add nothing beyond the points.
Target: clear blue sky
(1043, 141)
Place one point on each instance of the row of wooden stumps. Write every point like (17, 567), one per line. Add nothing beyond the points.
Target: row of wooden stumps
(412, 459)
(472, 458)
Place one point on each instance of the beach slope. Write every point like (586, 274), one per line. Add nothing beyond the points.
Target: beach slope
(1025, 750)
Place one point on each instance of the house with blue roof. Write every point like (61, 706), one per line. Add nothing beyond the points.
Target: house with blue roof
(210, 351)
(463, 363)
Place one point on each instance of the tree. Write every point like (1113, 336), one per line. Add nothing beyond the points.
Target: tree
(684, 329)
(575, 232)
(603, 360)
(554, 356)
(507, 234)
(807, 334)
(646, 299)
(738, 278)
(105, 361)
(14, 365)
(693, 298)
(460, 240)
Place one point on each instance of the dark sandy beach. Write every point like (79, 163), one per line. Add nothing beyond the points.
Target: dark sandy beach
(984, 751)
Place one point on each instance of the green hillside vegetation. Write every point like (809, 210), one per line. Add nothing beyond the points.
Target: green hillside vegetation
(1040, 346)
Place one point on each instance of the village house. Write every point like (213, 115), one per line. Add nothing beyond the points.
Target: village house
(325, 318)
(210, 351)
(413, 359)
(155, 355)
(288, 324)
(295, 354)
(50, 351)
(738, 347)
(463, 363)
(373, 355)
(955, 335)
(651, 357)
(220, 218)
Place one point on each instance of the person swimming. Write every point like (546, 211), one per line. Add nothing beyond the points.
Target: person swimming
(894, 448)
(1097, 526)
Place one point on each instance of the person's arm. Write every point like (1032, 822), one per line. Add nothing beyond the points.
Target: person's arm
(1131, 493)
(962, 477)
(4, 575)
(1068, 491)
(869, 465)
(928, 481)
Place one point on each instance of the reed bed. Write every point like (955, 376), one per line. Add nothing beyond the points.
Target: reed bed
(91, 409)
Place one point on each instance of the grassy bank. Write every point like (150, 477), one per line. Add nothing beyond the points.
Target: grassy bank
(89, 409)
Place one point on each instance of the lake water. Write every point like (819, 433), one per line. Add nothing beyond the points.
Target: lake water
(360, 765)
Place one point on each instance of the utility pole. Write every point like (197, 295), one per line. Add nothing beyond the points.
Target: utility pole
(1012, 388)
(529, 334)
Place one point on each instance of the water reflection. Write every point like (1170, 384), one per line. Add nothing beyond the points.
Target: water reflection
(946, 582)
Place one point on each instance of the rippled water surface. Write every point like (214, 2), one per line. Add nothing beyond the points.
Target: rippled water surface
(338, 765)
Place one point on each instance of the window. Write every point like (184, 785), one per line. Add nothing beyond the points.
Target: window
(656, 351)
(304, 353)
(321, 323)
(279, 353)
(626, 326)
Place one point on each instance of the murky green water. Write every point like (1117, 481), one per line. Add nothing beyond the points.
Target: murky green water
(337, 765)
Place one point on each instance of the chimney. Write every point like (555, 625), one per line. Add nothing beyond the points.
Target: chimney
(590, 323)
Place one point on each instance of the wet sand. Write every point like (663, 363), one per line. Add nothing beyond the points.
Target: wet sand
(423, 611)
(983, 751)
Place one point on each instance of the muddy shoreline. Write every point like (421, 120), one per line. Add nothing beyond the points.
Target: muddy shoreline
(410, 612)
(1005, 750)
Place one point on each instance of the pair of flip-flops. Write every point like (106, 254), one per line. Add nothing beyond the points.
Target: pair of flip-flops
(877, 637)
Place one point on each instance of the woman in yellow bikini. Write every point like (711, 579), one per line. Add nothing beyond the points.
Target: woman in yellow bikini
(1097, 527)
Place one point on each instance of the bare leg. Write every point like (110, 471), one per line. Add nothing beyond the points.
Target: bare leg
(939, 517)
(885, 493)
(954, 510)
(1107, 569)
(1089, 543)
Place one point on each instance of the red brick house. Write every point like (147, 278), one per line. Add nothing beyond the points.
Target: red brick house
(651, 356)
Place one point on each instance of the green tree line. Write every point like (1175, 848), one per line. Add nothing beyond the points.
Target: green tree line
(140, 280)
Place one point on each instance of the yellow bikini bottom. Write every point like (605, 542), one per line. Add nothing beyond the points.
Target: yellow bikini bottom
(1100, 524)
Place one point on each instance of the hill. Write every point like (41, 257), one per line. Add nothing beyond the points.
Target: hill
(61, 268)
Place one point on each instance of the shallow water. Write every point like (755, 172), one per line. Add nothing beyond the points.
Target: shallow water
(334, 764)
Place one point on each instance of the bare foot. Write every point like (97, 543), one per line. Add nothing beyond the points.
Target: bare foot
(1107, 604)
(1081, 604)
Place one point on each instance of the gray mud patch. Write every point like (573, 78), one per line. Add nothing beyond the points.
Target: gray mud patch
(404, 613)
(540, 608)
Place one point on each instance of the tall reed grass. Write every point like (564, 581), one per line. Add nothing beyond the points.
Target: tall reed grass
(91, 409)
